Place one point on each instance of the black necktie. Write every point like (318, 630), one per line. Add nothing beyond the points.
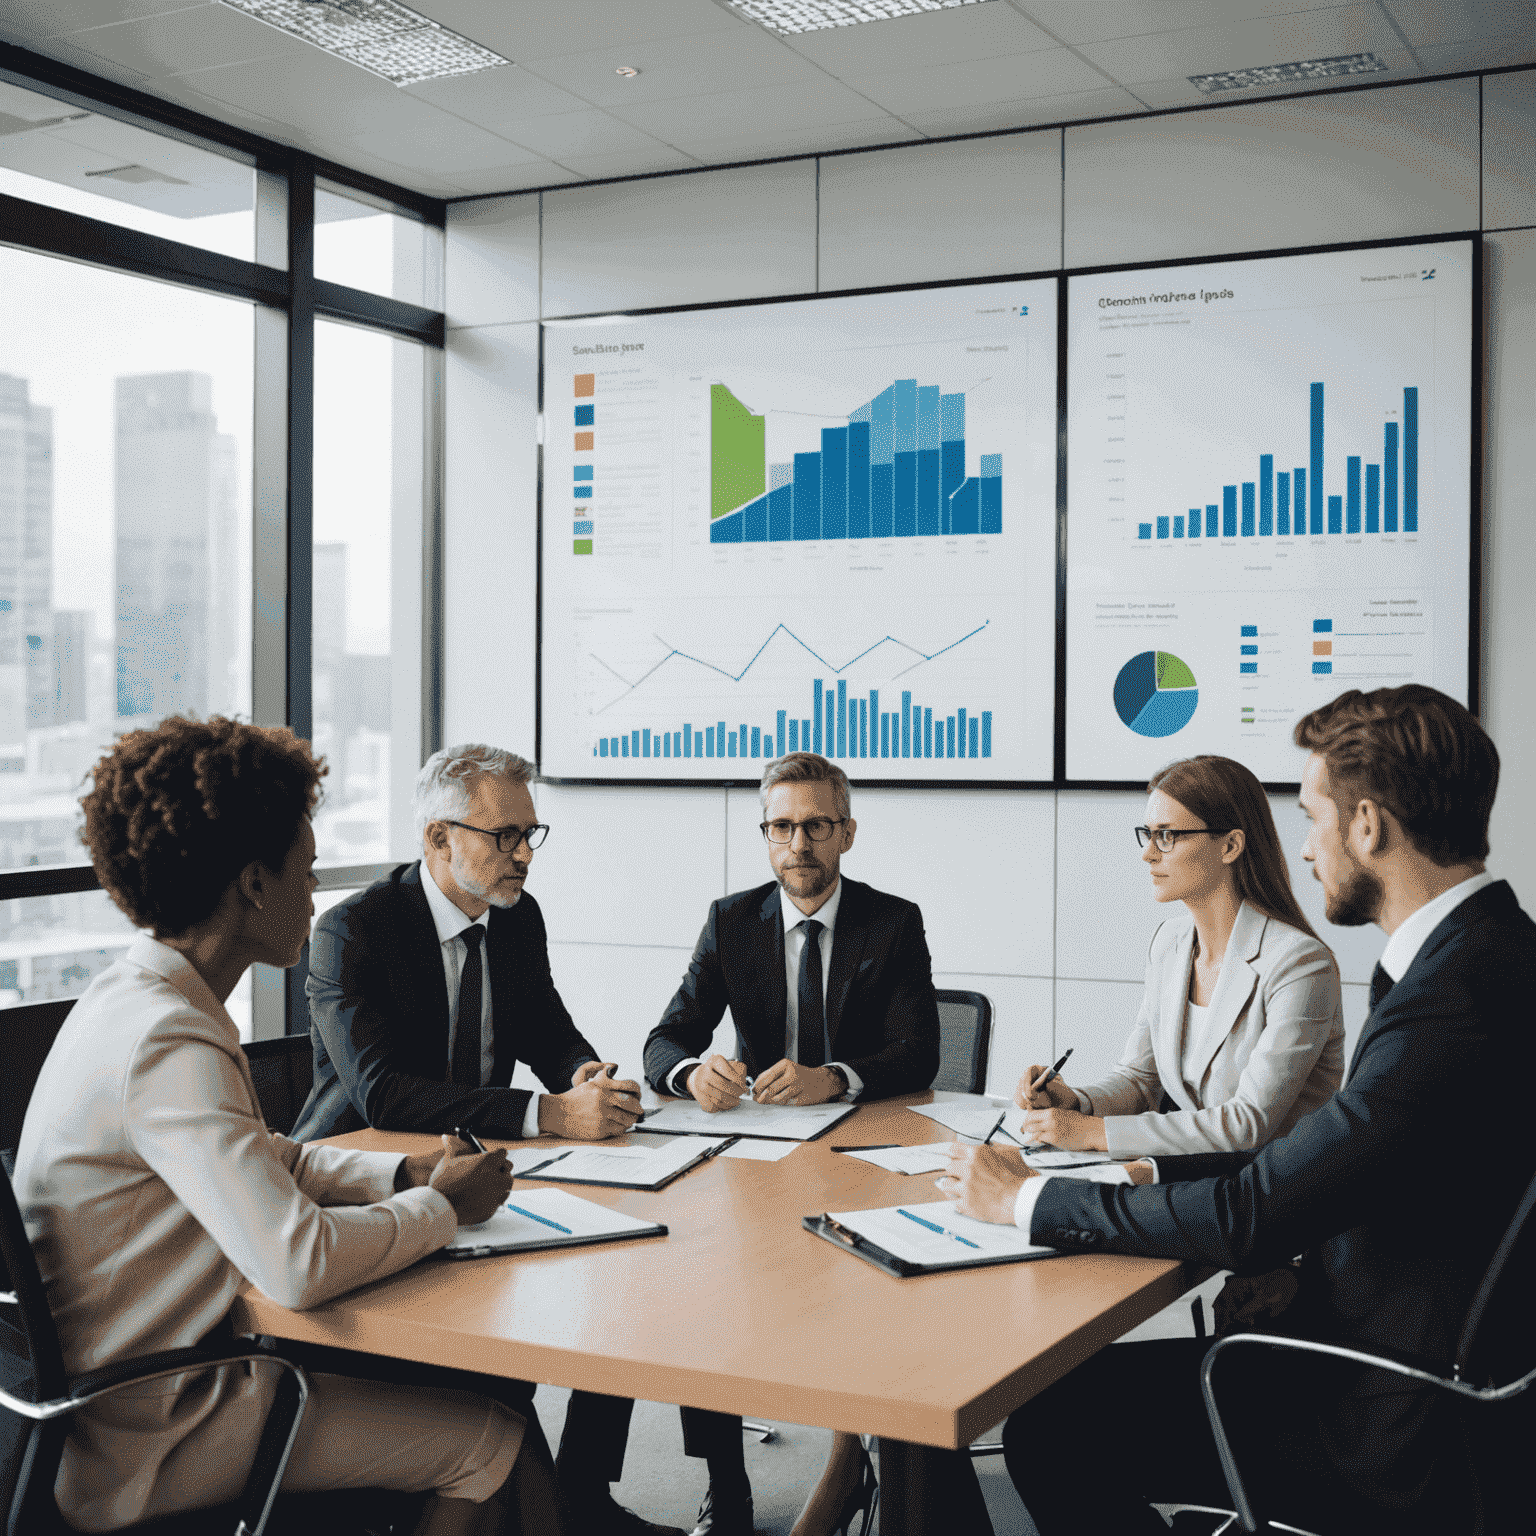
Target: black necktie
(1381, 984)
(809, 1009)
(466, 1033)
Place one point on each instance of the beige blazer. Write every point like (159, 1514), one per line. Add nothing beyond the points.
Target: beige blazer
(1270, 1049)
(151, 1189)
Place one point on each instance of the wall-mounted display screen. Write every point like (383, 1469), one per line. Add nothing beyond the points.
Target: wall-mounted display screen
(1269, 482)
(823, 524)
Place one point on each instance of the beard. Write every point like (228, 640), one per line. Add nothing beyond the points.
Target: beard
(495, 894)
(1357, 901)
(806, 880)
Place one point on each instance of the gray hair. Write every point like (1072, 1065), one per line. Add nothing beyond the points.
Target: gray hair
(443, 785)
(807, 768)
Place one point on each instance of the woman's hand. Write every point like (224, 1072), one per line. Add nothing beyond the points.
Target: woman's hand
(1055, 1094)
(1065, 1128)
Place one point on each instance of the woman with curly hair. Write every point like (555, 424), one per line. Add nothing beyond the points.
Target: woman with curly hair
(152, 1189)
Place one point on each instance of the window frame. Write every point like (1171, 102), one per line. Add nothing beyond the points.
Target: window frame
(287, 299)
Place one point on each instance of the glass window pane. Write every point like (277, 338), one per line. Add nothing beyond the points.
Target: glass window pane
(367, 579)
(369, 247)
(125, 527)
(62, 155)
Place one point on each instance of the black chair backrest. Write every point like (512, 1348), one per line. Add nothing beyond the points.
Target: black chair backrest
(27, 1034)
(1498, 1337)
(28, 1338)
(282, 1071)
(965, 1036)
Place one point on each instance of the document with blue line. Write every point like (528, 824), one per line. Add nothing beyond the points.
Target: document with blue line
(546, 1218)
(934, 1235)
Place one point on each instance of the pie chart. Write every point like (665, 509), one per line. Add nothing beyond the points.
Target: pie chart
(1155, 694)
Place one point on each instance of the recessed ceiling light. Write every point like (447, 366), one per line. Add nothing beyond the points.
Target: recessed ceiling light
(385, 38)
(627, 70)
(790, 16)
(1285, 74)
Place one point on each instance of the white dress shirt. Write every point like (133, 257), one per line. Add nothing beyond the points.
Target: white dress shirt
(794, 944)
(450, 923)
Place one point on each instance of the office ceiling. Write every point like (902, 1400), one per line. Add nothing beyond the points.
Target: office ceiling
(713, 87)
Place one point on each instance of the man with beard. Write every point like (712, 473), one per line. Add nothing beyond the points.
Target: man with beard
(425, 991)
(831, 992)
(1395, 1221)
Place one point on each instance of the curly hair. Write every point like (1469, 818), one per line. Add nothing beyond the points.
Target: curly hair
(175, 813)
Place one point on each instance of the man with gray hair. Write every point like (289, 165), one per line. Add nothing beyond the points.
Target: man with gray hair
(425, 991)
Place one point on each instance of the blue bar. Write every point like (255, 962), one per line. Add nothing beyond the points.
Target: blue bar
(1299, 501)
(743, 739)
(781, 514)
(1373, 498)
(1351, 494)
(1229, 511)
(583, 471)
(1250, 629)
(952, 419)
(1283, 504)
(677, 743)
(645, 743)
(904, 453)
(730, 745)
(1210, 522)
(1323, 667)
(904, 497)
(1322, 626)
(927, 732)
(1143, 530)
(1389, 477)
(794, 735)
(728, 530)
(666, 743)
(906, 724)
(951, 467)
(882, 411)
(583, 415)
(964, 514)
(827, 730)
(1162, 527)
(1335, 514)
(815, 715)
(624, 746)
(858, 479)
(885, 735)
(975, 730)
(805, 730)
(874, 718)
(1266, 495)
(582, 493)
(1317, 458)
(960, 729)
(842, 717)
(991, 478)
(1178, 527)
(1194, 522)
(779, 735)
(720, 738)
(986, 733)
(757, 742)
(602, 746)
(928, 446)
(754, 519)
(709, 743)
(863, 728)
(580, 528)
(1247, 509)
(1410, 460)
(1247, 666)
(1248, 650)
(806, 521)
(881, 503)
(834, 482)
(949, 731)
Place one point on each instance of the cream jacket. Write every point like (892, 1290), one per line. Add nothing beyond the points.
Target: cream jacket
(152, 1190)
(1270, 1049)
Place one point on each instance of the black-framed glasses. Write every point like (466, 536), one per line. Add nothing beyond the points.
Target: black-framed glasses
(1167, 838)
(817, 828)
(509, 838)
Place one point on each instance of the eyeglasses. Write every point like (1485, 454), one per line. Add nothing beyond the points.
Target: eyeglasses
(508, 838)
(818, 829)
(1167, 838)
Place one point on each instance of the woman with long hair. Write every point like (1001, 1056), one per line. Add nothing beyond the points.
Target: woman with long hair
(1241, 1028)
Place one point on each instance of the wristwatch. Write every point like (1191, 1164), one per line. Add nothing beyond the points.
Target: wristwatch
(841, 1076)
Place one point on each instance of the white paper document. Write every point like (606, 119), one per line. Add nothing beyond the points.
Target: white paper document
(1038, 1156)
(760, 1151)
(935, 1233)
(525, 1158)
(974, 1118)
(538, 1218)
(631, 1167)
(784, 1122)
(933, 1158)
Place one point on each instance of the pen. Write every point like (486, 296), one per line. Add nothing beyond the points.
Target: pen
(995, 1129)
(879, 1146)
(934, 1227)
(465, 1134)
(1036, 1087)
(548, 1223)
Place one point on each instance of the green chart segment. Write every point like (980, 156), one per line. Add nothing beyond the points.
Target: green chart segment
(1155, 694)
(738, 453)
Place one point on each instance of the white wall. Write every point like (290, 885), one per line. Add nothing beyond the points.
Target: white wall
(1032, 897)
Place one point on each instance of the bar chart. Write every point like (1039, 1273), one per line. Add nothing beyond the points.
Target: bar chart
(896, 470)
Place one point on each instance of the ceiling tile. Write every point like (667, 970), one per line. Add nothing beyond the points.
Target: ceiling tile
(909, 42)
(58, 18)
(662, 158)
(868, 134)
(1491, 53)
(515, 178)
(186, 40)
(1055, 72)
(496, 96)
(1074, 22)
(1245, 44)
(1178, 92)
(538, 29)
(985, 117)
(175, 88)
(739, 114)
(441, 148)
(1433, 23)
(572, 135)
(687, 66)
(65, 52)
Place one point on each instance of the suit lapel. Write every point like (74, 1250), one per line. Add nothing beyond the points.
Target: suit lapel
(1168, 1027)
(421, 956)
(769, 939)
(1238, 979)
(849, 939)
(501, 947)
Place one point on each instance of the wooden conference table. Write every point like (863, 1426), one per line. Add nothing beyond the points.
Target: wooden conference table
(740, 1310)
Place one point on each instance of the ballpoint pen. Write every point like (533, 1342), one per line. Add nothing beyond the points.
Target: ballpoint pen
(995, 1129)
(1042, 1081)
(465, 1134)
(935, 1227)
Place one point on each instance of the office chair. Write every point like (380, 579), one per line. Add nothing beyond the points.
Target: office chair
(965, 1037)
(1499, 1310)
(282, 1071)
(37, 1396)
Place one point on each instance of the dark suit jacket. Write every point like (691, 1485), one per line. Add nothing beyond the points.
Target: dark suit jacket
(378, 1005)
(1396, 1190)
(882, 1019)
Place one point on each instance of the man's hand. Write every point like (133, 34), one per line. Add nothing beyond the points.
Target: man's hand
(590, 1069)
(476, 1183)
(787, 1082)
(717, 1083)
(598, 1107)
(984, 1181)
(416, 1172)
(1065, 1128)
(1055, 1094)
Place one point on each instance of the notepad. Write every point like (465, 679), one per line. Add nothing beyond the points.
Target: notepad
(933, 1158)
(648, 1168)
(924, 1238)
(546, 1218)
(778, 1122)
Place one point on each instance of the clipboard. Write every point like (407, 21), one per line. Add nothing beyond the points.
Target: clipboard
(830, 1230)
(555, 1173)
(571, 1222)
